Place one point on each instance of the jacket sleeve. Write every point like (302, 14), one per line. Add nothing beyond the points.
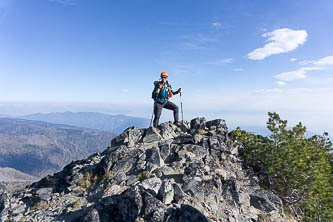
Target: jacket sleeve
(154, 94)
(173, 92)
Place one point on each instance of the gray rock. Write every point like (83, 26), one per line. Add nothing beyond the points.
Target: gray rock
(274, 199)
(92, 216)
(217, 123)
(230, 193)
(3, 201)
(112, 190)
(151, 135)
(124, 207)
(44, 193)
(166, 193)
(244, 199)
(211, 133)
(179, 194)
(131, 180)
(261, 203)
(120, 160)
(217, 146)
(187, 177)
(165, 151)
(184, 126)
(191, 184)
(120, 177)
(129, 137)
(197, 138)
(265, 200)
(18, 217)
(154, 209)
(184, 139)
(153, 184)
(234, 150)
(190, 214)
(17, 209)
(199, 151)
(168, 130)
(198, 123)
(154, 159)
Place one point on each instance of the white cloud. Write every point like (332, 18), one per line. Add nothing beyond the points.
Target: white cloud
(328, 60)
(221, 61)
(216, 24)
(225, 60)
(198, 41)
(238, 69)
(280, 83)
(320, 64)
(292, 75)
(325, 61)
(279, 41)
(124, 90)
(297, 74)
(293, 59)
(306, 62)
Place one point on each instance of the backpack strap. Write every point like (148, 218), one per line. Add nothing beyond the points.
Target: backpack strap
(170, 94)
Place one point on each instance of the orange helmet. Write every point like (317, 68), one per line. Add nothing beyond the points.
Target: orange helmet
(164, 75)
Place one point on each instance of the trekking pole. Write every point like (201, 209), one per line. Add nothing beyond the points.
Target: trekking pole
(181, 106)
(151, 120)
(152, 115)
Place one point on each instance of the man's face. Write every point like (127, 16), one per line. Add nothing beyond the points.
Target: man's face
(164, 79)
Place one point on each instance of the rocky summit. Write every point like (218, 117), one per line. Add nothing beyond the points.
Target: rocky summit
(189, 172)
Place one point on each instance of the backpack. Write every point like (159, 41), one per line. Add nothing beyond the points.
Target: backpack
(170, 94)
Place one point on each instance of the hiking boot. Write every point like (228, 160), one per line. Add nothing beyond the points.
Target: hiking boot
(177, 123)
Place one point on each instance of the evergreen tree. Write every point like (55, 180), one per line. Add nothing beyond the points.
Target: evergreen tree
(296, 168)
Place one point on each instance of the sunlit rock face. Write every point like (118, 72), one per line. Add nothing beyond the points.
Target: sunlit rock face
(174, 173)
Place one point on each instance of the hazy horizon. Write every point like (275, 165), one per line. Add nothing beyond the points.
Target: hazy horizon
(249, 121)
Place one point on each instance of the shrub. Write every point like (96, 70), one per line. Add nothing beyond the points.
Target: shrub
(296, 168)
(108, 175)
(88, 180)
(77, 204)
(202, 131)
(144, 175)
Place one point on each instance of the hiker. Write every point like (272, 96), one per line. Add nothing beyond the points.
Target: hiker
(161, 94)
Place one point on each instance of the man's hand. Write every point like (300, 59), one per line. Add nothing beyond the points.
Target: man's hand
(179, 90)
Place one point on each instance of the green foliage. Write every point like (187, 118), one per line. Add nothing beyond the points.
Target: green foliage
(144, 175)
(297, 168)
(88, 180)
(202, 131)
(77, 204)
(107, 176)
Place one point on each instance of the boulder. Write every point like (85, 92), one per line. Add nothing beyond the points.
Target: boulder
(44, 193)
(166, 193)
(92, 216)
(190, 214)
(154, 159)
(152, 184)
(129, 137)
(151, 135)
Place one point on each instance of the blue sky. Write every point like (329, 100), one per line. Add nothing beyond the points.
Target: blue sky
(234, 60)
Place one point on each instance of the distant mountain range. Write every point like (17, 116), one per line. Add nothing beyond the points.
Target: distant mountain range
(11, 175)
(39, 148)
(92, 120)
